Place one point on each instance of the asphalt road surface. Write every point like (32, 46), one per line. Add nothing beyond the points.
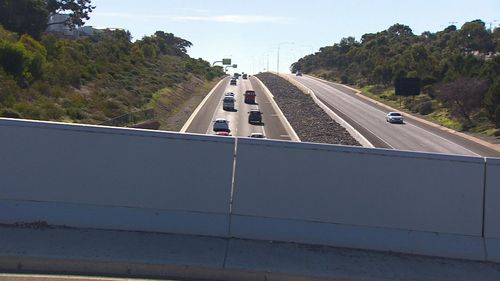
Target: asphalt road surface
(272, 127)
(369, 120)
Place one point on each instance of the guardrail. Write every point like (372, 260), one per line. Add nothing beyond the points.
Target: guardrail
(130, 179)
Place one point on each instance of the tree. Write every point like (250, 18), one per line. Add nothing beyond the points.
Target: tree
(79, 11)
(400, 30)
(24, 16)
(463, 96)
(492, 100)
(475, 37)
(31, 16)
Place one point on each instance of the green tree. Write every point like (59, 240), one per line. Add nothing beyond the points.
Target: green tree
(475, 37)
(492, 99)
(79, 10)
(24, 16)
(31, 16)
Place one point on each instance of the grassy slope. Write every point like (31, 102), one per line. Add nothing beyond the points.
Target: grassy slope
(91, 81)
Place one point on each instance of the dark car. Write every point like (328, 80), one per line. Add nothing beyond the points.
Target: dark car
(255, 116)
(233, 82)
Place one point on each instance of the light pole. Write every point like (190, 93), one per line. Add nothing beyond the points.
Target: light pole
(278, 59)
(266, 54)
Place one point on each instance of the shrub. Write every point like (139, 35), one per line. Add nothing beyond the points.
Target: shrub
(10, 113)
(497, 117)
(425, 108)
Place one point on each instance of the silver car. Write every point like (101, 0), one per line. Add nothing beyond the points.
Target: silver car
(394, 117)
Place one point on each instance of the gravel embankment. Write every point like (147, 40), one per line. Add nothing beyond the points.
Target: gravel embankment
(308, 120)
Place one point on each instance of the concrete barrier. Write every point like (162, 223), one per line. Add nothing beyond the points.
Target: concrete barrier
(112, 178)
(352, 197)
(492, 209)
(359, 198)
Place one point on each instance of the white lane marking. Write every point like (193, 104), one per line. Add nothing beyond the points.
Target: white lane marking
(383, 112)
(196, 111)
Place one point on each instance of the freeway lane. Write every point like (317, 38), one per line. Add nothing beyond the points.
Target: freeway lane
(369, 119)
(202, 122)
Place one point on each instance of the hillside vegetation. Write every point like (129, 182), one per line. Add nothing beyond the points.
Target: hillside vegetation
(459, 70)
(91, 80)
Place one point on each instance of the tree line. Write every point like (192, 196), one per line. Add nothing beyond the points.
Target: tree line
(459, 68)
(87, 79)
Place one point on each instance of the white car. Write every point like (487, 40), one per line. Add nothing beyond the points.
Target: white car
(221, 125)
(394, 117)
(229, 94)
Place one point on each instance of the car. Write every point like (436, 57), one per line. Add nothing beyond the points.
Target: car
(394, 117)
(223, 133)
(229, 94)
(255, 116)
(257, 135)
(233, 82)
(250, 96)
(221, 125)
(244, 76)
(228, 103)
(298, 73)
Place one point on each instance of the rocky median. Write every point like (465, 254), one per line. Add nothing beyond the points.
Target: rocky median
(308, 120)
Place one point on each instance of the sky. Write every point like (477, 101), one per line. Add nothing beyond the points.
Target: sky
(250, 32)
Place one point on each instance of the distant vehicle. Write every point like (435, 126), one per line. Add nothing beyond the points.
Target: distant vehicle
(250, 96)
(221, 125)
(228, 103)
(236, 75)
(255, 116)
(233, 82)
(229, 94)
(298, 73)
(244, 76)
(394, 117)
(222, 133)
(257, 135)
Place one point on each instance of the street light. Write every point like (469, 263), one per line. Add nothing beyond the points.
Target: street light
(267, 53)
(278, 59)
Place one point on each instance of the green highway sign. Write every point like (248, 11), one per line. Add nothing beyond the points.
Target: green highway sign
(226, 61)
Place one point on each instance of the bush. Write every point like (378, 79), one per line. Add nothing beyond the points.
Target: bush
(497, 117)
(425, 108)
(10, 113)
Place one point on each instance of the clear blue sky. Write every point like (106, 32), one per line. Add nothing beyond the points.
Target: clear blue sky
(250, 30)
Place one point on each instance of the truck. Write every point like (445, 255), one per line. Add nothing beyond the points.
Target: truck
(250, 96)
(228, 103)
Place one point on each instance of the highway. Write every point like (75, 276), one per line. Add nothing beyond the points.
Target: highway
(202, 121)
(369, 119)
